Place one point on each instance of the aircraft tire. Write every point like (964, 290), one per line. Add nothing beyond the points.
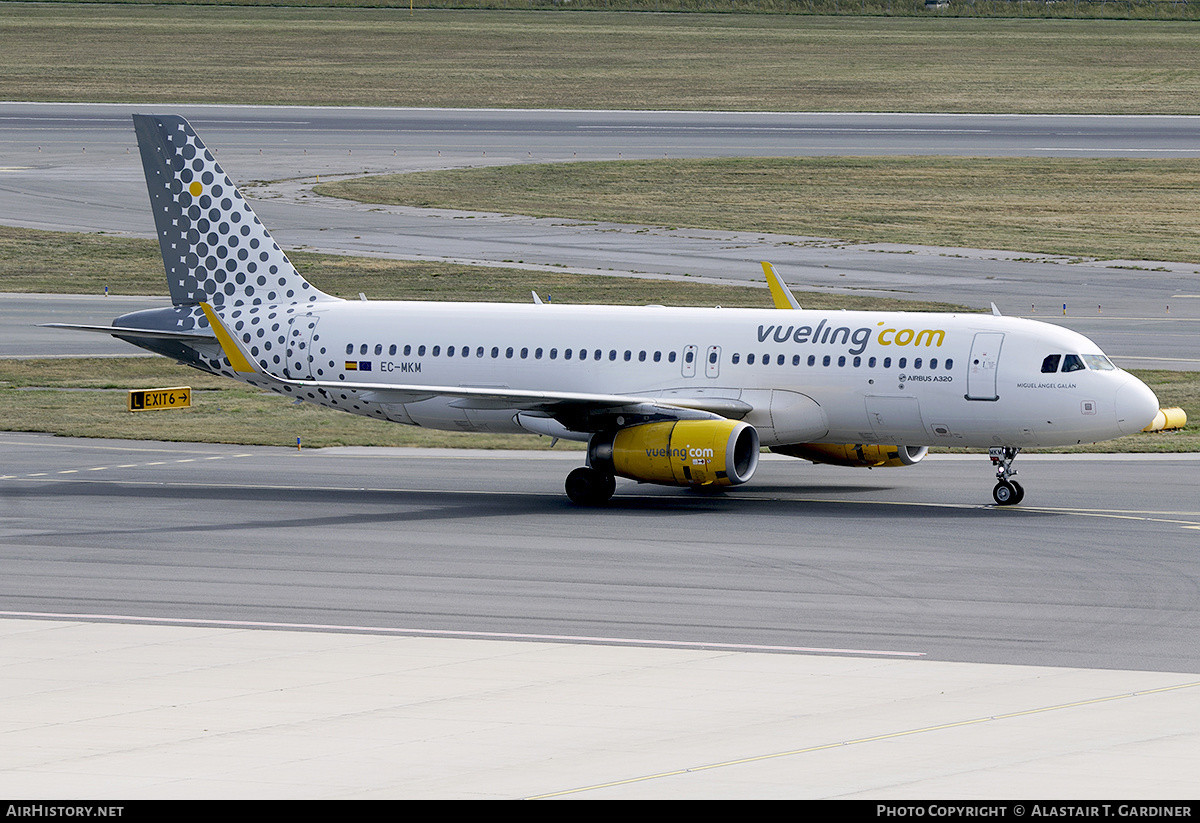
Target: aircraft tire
(588, 487)
(1006, 493)
(1020, 490)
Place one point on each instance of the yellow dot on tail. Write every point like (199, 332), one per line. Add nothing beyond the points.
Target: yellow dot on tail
(195, 188)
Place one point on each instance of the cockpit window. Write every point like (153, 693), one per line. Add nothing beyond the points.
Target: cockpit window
(1072, 362)
(1050, 364)
(1098, 362)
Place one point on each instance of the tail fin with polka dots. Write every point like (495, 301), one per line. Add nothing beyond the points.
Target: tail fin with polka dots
(214, 248)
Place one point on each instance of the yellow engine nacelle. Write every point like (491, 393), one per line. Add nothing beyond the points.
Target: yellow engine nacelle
(855, 454)
(685, 452)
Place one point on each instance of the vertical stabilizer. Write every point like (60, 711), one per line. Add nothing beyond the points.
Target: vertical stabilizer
(214, 248)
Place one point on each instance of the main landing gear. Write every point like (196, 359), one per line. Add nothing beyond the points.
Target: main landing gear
(1007, 492)
(590, 487)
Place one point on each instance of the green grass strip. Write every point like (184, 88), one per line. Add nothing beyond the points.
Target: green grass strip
(173, 54)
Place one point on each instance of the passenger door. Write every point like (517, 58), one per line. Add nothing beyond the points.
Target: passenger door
(981, 368)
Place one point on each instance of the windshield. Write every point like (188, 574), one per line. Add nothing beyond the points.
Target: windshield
(1098, 362)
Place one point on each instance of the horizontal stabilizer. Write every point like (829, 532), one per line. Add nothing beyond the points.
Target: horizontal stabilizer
(126, 331)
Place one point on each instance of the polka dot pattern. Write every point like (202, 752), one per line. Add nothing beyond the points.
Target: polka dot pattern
(214, 248)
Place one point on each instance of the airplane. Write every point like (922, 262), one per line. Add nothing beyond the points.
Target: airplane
(672, 396)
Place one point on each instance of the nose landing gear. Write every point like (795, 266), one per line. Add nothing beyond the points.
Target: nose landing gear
(1007, 492)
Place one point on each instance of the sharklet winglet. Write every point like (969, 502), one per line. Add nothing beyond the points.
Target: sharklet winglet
(780, 293)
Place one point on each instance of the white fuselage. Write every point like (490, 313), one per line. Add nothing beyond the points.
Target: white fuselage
(810, 376)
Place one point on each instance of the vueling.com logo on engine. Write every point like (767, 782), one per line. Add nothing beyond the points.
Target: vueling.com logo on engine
(698, 456)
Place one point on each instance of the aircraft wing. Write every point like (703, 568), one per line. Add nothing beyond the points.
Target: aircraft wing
(499, 397)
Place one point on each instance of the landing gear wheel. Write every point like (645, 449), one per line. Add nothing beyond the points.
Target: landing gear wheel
(588, 487)
(1007, 493)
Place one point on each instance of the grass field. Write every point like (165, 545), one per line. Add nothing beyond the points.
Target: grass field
(1110, 209)
(519, 59)
(1072, 9)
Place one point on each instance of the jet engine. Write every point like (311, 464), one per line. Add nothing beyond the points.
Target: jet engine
(855, 454)
(681, 452)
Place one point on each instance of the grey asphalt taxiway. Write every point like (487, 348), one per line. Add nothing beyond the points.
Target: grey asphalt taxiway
(185, 620)
(1096, 569)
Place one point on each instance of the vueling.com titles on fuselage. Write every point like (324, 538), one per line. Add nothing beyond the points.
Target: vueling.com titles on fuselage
(829, 335)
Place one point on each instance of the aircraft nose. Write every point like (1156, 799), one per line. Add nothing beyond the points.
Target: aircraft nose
(1136, 406)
